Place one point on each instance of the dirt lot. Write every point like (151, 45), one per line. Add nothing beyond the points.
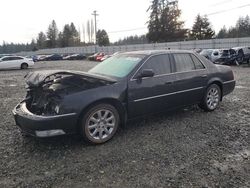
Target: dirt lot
(187, 148)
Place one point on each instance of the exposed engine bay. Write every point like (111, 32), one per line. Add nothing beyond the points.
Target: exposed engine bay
(46, 89)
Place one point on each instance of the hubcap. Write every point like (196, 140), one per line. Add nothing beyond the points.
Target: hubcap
(101, 124)
(213, 98)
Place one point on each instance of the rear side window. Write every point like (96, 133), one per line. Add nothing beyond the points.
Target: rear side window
(16, 58)
(183, 62)
(160, 64)
(197, 62)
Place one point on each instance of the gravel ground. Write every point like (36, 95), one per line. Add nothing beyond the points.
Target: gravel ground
(186, 148)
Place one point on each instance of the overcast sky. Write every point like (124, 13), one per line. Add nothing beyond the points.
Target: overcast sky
(21, 20)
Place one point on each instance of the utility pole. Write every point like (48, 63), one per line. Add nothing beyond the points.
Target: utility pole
(95, 14)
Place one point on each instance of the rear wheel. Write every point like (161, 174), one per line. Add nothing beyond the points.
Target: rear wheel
(24, 66)
(100, 123)
(212, 98)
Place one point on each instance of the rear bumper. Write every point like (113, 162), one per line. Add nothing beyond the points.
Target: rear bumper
(228, 87)
(44, 126)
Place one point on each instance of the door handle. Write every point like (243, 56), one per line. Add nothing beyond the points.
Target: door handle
(168, 83)
(204, 76)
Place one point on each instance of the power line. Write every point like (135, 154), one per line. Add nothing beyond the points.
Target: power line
(220, 3)
(135, 29)
(227, 10)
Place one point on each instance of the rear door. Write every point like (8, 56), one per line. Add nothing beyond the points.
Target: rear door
(16, 62)
(152, 94)
(191, 79)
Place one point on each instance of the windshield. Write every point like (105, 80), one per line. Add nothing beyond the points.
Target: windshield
(118, 66)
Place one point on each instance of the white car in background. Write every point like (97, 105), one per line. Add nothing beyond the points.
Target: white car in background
(15, 62)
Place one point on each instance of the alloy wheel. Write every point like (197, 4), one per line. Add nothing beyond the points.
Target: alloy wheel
(213, 98)
(101, 124)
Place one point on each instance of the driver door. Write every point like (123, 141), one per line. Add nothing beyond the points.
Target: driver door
(152, 94)
(5, 63)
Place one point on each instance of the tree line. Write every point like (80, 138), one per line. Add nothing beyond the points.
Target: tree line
(53, 38)
(164, 25)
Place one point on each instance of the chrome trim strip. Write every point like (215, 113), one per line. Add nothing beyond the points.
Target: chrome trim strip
(24, 109)
(163, 95)
(227, 82)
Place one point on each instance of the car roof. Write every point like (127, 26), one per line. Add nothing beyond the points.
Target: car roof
(11, 56)
(155, 52)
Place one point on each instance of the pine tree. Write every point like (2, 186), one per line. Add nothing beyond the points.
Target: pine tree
(52, 35)
(92, 31)
(223, 33)
(66, 35)
(202, 28)
(154, 25)
(41, 40)
(74, 36)
(243, 26)
(102, 38)
(164, 24)
(88, 31)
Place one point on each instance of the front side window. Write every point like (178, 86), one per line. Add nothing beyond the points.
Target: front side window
(118, 66)
(160, 64)
(183, 62)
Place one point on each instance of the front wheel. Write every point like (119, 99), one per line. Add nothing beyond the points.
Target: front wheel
(100, 123)
(212, 98)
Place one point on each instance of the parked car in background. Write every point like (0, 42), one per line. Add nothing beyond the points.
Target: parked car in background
(75, 57)
(242, 54)
(53, 57)
(96, 56)
(105, 57)
(15, 62)
(207, 53)
(99, 56)
(41, 57)
(224, 56)
(123, 87)
(92, 57)
(108, 56)
(34, 57)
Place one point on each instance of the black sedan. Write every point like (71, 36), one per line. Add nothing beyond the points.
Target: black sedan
(53, 57)
(125, 86)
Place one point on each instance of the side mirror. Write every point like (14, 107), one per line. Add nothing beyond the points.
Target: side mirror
(146, 73)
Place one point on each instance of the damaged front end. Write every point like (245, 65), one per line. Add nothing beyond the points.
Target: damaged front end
(46, 90)
(43, 113)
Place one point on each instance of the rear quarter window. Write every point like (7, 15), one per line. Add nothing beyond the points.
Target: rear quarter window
(197, 62)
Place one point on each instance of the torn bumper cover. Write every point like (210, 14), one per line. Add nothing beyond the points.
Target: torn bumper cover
(44, 126)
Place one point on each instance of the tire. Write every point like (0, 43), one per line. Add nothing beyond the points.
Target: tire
(211, 99)
(100, 123)
(24, 66)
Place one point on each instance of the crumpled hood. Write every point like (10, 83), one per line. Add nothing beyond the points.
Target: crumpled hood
(36, 78)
